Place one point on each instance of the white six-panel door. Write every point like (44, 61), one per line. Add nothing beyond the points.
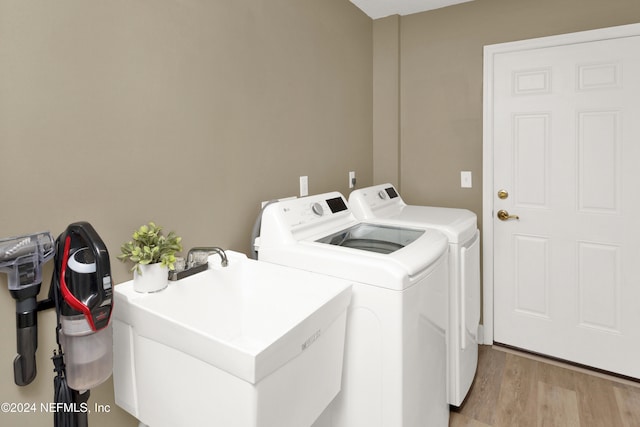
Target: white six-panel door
(565, 125)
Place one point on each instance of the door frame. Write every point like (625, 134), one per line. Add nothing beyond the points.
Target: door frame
(488, 198)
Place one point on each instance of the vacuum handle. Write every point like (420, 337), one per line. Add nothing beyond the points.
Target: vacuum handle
(91, 238)
(96, 309)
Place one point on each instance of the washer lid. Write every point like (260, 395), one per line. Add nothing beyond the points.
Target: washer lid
(382, 204)
(294, 232)
(459, 225)
(374, 238)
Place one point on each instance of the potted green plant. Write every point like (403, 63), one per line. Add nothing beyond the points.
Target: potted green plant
(153, 254)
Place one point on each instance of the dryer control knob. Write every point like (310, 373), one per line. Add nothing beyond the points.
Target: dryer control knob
(317, 209)
(382, 194)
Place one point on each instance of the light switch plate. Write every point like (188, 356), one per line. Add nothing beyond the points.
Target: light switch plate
(465, 179)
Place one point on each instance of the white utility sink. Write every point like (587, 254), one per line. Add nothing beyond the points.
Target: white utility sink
(251, 344)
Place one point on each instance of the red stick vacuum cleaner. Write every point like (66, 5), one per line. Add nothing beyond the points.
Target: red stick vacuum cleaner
(82, 291)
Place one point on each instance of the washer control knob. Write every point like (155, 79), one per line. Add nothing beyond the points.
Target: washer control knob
(317, 209)
(383, 194)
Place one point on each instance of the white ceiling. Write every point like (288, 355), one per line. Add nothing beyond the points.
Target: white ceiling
(381, 8)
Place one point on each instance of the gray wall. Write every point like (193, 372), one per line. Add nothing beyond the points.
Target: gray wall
(191, 112)
(188, 113)
(430, 129)
(433, 121)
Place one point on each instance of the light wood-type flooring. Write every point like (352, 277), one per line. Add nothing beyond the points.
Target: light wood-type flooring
(514, 390)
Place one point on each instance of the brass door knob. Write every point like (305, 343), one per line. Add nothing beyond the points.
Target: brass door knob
(503, 194)
(504, 215)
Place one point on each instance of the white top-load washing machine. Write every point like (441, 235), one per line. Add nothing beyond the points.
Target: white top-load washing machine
(394, 367)
(381, 204)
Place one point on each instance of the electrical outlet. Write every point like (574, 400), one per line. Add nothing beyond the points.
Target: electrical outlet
(304, 186)
(352, 179)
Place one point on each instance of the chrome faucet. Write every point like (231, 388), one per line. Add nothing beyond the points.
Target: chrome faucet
(209, 250)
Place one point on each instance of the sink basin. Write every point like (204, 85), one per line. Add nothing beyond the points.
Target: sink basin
(243, 343)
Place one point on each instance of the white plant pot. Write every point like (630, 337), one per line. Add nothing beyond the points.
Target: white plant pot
(152, 278)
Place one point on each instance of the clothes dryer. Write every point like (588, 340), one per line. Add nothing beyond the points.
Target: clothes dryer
(394, 367)
(382, 204)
